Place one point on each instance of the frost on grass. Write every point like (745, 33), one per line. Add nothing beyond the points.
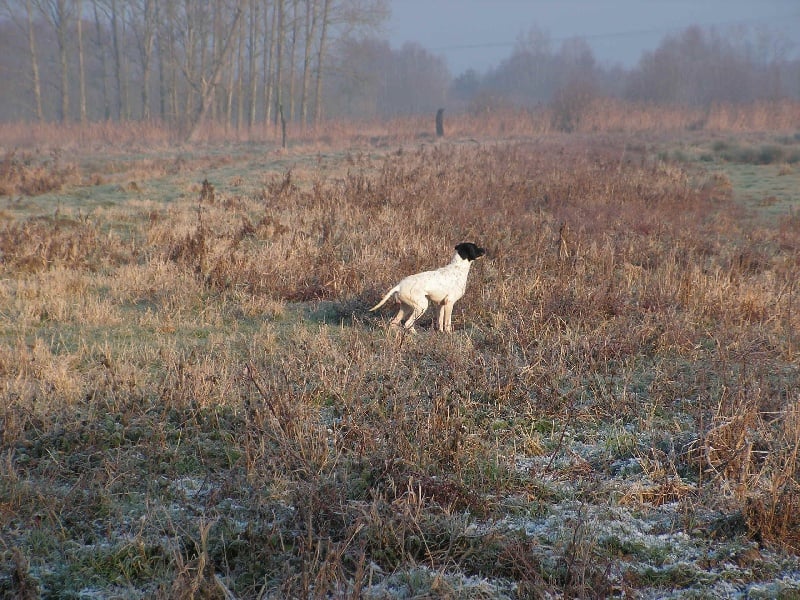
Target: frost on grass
(623, 510)
(423, 582)
(648, 549)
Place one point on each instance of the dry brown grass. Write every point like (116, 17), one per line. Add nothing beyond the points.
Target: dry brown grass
(600, 115)
(29, 174)
(195, 396)
(85, 137)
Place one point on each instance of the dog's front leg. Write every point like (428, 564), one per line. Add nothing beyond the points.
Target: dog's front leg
(445, 316)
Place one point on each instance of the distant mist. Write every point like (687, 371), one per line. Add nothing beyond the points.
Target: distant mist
(299, 62)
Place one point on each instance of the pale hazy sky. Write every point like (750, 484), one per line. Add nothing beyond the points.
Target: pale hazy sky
(481, 33)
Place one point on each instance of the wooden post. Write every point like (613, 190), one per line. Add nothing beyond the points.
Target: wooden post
(440, 123)
(283, 126)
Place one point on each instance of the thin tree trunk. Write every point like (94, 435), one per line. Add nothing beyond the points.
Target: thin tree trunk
(60, 22)
(147, 54)
(295, 24)
(205, 86)
(162, 76)
(253, 55)
(189, 70)
(218, 104)
(103, 60)
(240, 77)
(269, 52)
(278, 59)
(311, 31)
(37, 85)
(205, 96)
(172, 67)
(119, 75)
(326, 5)
(81, 67)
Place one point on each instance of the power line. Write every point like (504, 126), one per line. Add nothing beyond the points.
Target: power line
(620, 34)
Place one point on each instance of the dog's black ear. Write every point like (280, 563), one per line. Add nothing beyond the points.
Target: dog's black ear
(469, 251)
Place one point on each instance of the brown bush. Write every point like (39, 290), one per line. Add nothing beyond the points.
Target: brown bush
(31, 175)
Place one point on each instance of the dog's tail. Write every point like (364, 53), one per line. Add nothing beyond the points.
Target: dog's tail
(388, 295)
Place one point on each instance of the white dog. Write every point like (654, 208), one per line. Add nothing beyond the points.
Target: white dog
(443, 287)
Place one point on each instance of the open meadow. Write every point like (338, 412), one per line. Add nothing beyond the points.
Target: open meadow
(196, 402)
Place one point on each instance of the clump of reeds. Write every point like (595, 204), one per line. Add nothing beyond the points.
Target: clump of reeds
(31, 174)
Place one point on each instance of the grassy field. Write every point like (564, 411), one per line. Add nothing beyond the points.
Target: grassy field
(196, 402)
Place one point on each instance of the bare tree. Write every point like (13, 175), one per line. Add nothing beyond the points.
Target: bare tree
(269, 54)
(223, 96)
(347, 17)
(100, 48)
(208, 78)
(205, 57)
(252, 55)
(81, 62)
(188, 32)
(144, 29)
(292, 50)
(37, 85)
(279, 7)
(120, 60)
(369, 78)
(698, 67)
(10, 9)
(240, 75)
(311, 21)
(321, 48)
(59, 14)
(167, 61)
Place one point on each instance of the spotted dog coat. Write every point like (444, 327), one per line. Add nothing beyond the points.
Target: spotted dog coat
(443, 287)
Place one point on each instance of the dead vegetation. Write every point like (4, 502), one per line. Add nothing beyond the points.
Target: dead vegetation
(196, 402)
(31, 174)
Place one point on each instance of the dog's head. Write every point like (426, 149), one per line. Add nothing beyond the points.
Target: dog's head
(469, 251)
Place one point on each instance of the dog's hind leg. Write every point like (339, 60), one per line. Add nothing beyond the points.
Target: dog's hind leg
(398, 319)
(419, 306)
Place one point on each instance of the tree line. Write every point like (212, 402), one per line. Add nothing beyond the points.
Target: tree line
(237, 62)
(246, 63)
(695, 67)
